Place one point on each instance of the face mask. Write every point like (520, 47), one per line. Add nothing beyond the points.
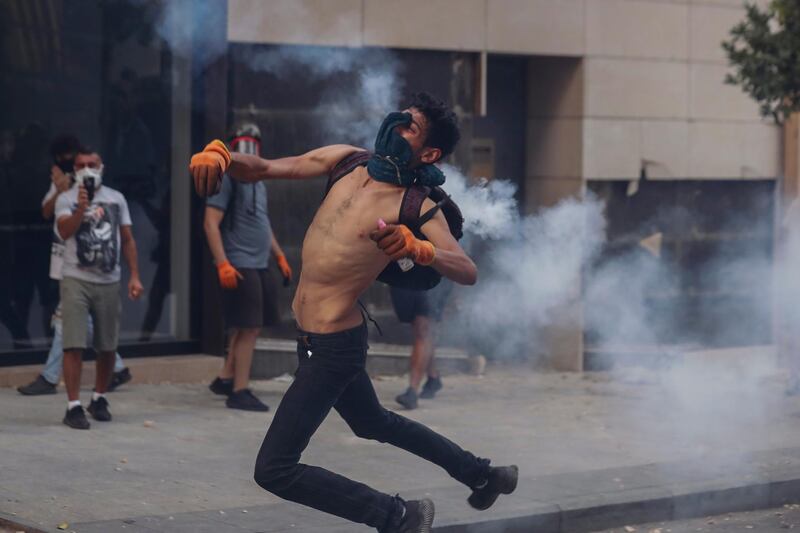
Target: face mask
(393, 154)
(90, 178)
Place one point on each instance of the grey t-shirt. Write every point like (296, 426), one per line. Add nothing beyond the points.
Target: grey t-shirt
(246, 231)
(93, 252)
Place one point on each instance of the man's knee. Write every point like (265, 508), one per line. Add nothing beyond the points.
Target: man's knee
(377, 428)
(73, 354)
(272, 474)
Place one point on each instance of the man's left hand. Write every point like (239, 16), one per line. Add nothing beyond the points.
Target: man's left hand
(286, 270)
(135, 288)
(208, 166)
(397, 241)
(59, 179)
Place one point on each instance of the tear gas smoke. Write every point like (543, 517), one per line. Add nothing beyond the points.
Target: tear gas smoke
(372, 86)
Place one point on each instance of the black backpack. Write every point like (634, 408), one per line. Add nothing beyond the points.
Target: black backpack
(420, 277)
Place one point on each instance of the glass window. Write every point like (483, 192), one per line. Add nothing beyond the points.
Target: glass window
(97, 71)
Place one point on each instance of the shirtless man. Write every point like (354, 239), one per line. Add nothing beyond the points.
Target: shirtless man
(340, 260)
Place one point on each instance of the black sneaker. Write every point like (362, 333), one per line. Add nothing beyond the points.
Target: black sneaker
(119, 378)
(418, 518)
(99, 410)
(76, 418)
(37, 387)
(245, 400)
(408, 399)
(501, 480)
(431, 387)
(223, 387)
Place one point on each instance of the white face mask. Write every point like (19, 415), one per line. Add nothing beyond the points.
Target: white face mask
(92, 173)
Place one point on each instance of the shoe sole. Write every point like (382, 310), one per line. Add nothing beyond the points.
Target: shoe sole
(75, 427)
(508, 488)
(430, 394)
(112, 387)
(405, 404)
(252, 410)
(99, 419)
(428, 510)
(43, 393)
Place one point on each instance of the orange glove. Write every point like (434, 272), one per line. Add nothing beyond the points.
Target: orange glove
(208, 166)
(397, 241)
(286, 270)
(228, 276)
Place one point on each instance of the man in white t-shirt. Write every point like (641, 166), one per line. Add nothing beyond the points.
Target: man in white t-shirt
(94, 222)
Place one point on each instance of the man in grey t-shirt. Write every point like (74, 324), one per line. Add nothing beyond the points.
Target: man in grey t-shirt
(240, 238)
(96, 230)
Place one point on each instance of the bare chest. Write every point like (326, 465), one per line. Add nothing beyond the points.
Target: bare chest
(352, 208)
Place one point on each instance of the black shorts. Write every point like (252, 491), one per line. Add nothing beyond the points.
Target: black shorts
(409, 304)
(253, 303)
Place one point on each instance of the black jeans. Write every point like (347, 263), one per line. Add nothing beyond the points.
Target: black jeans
(332, 374)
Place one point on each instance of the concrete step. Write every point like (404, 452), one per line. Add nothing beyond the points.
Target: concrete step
(195, 368)
(274, 357)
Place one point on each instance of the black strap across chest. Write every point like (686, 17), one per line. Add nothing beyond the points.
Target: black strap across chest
(420, 277)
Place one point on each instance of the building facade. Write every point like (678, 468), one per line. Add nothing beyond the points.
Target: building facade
(561, 97)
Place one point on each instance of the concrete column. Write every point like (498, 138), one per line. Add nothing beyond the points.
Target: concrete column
(553, 169)
(791, 158)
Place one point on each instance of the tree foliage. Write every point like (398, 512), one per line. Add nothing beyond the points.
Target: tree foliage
(764, 50)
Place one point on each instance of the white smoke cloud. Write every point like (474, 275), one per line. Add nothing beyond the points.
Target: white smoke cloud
(347, 114)
(530, 266)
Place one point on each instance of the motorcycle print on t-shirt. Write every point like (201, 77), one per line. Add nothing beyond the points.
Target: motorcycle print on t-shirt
(97, 243)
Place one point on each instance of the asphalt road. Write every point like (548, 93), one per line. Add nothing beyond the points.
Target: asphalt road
(768, 521)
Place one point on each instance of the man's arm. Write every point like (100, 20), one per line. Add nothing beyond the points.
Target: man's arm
(208, 166)
(60, 183)
(318, 162)
(280, 259)
(449, 258)
(49, 207)
(69, 224)
(211, 221)
(131, 257)
(441, 251)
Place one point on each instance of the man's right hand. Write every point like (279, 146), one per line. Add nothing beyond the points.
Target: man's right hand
(83, 199)
(228, 276)
(208, 166)
(59, 179)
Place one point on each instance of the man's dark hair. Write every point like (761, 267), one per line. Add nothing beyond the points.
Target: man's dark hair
(64, 144)
(442, 122)
(86, 150)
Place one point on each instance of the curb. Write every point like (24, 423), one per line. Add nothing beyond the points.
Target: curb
(574, 502)
(17, 524)
(677, 501)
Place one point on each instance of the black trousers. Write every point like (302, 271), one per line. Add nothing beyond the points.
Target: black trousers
(331, 374)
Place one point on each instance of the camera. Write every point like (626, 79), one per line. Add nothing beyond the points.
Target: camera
(89, 185)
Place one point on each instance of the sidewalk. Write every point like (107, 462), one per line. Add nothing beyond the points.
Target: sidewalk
(593, 449)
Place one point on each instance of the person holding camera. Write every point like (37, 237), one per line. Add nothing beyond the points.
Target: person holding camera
(95, 224)
(63, 150)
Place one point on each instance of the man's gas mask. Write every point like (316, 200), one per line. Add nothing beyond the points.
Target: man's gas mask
(392, 157)
(246, 139)
(90, 178)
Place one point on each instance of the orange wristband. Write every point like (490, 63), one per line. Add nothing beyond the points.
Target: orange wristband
(425, 253)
